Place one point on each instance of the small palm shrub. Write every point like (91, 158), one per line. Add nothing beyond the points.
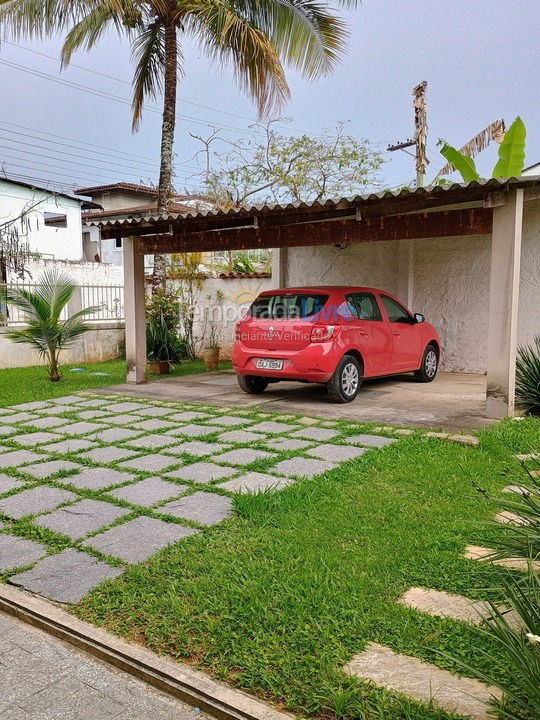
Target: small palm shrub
(163, 343)
(42, 308)
(528, 375)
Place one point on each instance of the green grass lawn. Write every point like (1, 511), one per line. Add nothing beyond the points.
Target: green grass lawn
(19, 385)
(279, 598)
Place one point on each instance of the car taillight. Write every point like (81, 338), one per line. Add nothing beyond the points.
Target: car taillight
(322, 333)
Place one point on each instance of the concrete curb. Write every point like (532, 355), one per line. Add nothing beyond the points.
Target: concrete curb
(181, 681)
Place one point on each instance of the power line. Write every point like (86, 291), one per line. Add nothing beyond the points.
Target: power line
(74, 175)
(127, 82)
(114, 98)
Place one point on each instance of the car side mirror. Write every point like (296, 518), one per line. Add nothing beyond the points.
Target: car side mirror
(419, 318)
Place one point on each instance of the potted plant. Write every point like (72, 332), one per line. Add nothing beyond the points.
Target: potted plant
(163, 346)
(211, 351)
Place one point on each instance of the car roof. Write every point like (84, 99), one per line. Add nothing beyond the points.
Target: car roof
(323, 289)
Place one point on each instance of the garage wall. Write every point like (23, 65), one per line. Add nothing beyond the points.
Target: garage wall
(374, 264)
(450, 284)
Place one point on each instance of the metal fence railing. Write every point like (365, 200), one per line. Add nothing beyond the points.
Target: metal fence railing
(109, 299)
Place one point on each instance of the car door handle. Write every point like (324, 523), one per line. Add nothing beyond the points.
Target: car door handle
(395, 332)
(364, 333)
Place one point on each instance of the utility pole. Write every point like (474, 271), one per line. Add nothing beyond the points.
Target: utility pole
(420, 134)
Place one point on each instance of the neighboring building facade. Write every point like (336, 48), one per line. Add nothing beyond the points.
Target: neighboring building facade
(52, 226)
(126, 199)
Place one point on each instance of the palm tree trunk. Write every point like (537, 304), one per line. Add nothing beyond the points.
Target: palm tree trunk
(54, 375)
(165, 189)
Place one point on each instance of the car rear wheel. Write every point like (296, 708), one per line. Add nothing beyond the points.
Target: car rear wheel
(430, 363)
(345, 383)
(252, 384)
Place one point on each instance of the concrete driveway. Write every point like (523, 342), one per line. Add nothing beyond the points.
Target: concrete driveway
(453, 401)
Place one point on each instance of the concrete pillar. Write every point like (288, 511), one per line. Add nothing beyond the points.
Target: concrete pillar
(75, 303)
(134, 312)
(503, 306)
(279, 267)
(406, 272)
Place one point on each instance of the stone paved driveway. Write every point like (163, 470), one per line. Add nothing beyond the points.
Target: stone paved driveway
(90, 484)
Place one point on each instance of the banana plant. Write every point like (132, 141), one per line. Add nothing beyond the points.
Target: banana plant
(511, 155)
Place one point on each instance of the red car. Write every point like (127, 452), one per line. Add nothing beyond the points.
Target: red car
(332, 335)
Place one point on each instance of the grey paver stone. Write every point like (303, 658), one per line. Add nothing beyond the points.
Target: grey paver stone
(240, 436)
(370, 440)
(152, 441)
(107, 454)
(81, 428)
(303, 467)
(46, 469)
(229, 420)
(92, 414)
(95, 403)
(150, 463)
(67, 400)
(447, 605)
(197, 447)
(19, 457)
(202, 472)
(115, 435)
(153, 424)
(423, 682)
(308, 420)
(47, 422)
(54, 411)
(242, 456)
(287, 443)
(120, 419)
(124, 541)
(99, 478)
(125, 407)
(67, 576)
(7, 430)
(69, 445)
(35, 438)
(8, 483)
(336, 453)
(17, 552)
(195, 430)
(35, 405)
(315, 433)
(271, 427)
(34, 500)
(255, 482)
(81, 518)
(188, 416)
(201, 507)
(148, 491)
(152, 411)
(19, 417)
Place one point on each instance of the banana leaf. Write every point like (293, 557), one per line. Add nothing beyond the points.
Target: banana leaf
(511, 151)
(462, 163)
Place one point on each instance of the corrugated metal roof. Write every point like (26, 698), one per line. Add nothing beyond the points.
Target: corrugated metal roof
(462, 190)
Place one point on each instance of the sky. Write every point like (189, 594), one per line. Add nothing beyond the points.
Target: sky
(479, 57)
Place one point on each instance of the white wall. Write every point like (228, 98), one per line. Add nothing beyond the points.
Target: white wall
(98, 344)
(62, 243)
(450, 284)
(84, 273)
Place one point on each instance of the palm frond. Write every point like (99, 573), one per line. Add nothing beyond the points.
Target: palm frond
(227, 36)
(148, 51)
(304, 33)
(37, 18)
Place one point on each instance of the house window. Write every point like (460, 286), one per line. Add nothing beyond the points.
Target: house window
(55, 220)
(118, 243)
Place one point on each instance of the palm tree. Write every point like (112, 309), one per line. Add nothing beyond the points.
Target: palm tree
(255, 35)
(42, 307)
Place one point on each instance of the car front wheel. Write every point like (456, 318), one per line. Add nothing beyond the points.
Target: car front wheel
(252, 384)
(430, 364)
(345, 383)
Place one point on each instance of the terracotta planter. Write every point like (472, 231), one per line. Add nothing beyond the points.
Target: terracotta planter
(159, 367)
(211, 358)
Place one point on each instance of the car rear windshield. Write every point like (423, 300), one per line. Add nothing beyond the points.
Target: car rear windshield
(287, 307)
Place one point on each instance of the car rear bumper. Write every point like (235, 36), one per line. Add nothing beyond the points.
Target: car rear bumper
(315, 363)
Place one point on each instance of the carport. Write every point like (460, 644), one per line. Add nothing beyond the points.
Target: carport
(491, 208)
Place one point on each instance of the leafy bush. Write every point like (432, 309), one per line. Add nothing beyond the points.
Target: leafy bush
(162, 343)
(163, 305)
(528, 375)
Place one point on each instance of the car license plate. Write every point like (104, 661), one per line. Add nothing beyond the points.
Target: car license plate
(269, 364)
